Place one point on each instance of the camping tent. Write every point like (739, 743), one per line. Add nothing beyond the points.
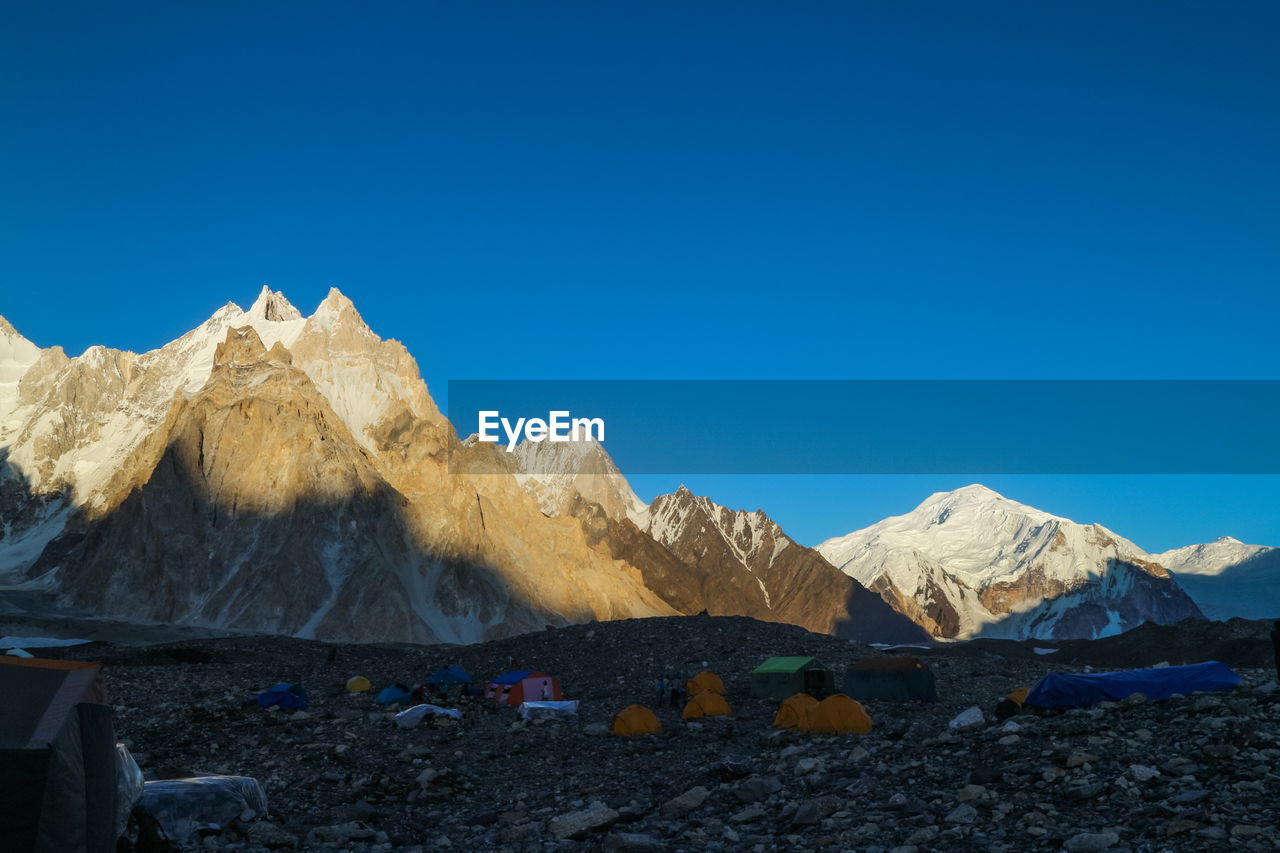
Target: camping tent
(449, 675)
(1012, 704)
(1084, 690)
(705, 681)
(837, 715)
(635, 720)
(705, 704)
(778, 678)
(897, 679)
(793, 711)
(286, 696)
(393, 694)
(57, 757)
(358, 684)
(514, 688)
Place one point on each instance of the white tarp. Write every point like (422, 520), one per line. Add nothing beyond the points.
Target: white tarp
(548, 710)
(410, 717)
(184, 806)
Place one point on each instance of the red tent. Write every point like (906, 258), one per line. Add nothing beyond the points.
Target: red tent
(525, 685)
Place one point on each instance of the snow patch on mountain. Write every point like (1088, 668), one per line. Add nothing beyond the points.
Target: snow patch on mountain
(1228, 578)
(554, 472)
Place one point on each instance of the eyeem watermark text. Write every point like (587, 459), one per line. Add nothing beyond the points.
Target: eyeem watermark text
(558, 426)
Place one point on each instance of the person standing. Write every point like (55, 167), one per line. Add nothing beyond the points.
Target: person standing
(661, 686)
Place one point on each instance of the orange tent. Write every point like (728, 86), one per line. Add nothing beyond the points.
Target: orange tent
(525, 685)
(837, 715)
(1019, 696)
(635, 720)
(703, 682)
(706, 704)
(793, 711)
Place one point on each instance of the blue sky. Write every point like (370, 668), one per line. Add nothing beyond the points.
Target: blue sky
(712, 190)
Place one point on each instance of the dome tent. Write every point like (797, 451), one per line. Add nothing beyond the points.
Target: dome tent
(794, 711)
(705, 704)
(837, 715)
(449, 675)
(705, 682)
(635, 720)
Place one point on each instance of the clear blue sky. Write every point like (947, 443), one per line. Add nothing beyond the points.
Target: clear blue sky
(669, 190)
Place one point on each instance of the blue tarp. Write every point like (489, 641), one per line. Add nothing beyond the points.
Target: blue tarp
(1084, 690)
(515, 677)
(285, 695)
(452, 674)
(393, 694)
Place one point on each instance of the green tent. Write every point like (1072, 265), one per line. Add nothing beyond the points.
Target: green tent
(780, 678)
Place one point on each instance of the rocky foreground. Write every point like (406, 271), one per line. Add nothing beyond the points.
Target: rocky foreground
(1200, 772)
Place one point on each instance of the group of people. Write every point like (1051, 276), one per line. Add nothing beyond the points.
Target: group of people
(670, 689)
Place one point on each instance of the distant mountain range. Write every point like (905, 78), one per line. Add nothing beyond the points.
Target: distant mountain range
(287, 474)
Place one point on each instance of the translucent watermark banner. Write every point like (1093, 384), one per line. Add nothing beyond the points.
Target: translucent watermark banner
(884, 427)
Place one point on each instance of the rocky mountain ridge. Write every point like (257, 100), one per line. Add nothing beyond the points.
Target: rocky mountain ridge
(281, 472)
(272, 472)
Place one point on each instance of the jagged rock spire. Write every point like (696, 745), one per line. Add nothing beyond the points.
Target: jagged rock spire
(272, 305)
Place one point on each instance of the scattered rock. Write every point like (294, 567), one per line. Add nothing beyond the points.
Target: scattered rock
(970, 718)
(750, 814)
(581, 823)
(1091, 842)
(685, 803)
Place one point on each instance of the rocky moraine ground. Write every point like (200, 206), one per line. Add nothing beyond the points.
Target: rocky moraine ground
(1200, 772)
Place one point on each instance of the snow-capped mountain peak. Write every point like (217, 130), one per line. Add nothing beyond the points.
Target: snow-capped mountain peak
(979, 534)
(1210, 558)
(271, 305)
(1228, 577)
(986, 563)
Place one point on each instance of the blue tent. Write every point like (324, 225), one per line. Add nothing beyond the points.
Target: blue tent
(513, 677)
(452, 674)
(287, 696)
(393, 694)
(1081, 690)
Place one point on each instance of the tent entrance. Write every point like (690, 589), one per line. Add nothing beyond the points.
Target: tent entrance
(815, 681)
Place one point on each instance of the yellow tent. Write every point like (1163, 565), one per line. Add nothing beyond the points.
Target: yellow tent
(1019, 696)
(704, 682)
(837, 715)
(359, 684)
(793, 711)
(635, 720)
(706, 704)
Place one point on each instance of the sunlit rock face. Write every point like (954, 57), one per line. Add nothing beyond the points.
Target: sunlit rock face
(274, 472)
